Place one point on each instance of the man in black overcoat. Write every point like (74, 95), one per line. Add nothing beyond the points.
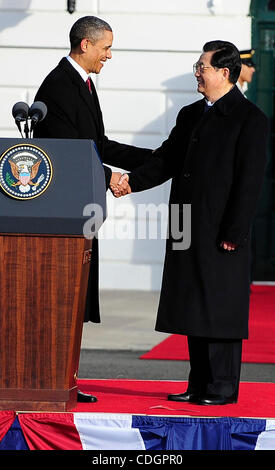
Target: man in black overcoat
(216, 157)
(73, 112)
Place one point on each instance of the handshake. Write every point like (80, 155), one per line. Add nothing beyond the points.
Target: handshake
(119, 184)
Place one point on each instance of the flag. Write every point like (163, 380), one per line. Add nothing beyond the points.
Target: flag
(109, 431)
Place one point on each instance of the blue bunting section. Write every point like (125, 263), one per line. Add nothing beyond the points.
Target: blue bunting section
(107, 431)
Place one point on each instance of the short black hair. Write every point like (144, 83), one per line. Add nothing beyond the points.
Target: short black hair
(226, 55)
(89, 27)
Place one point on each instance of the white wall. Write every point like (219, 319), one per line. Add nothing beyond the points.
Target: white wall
(141, 91)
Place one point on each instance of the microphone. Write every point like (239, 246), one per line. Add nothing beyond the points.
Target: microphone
(20, 112)
(37, 112)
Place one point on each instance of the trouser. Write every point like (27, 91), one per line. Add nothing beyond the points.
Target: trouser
(215, 366)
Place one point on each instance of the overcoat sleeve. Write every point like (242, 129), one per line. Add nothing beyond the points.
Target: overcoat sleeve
(249, 170)
(127, 157)
(165, 162)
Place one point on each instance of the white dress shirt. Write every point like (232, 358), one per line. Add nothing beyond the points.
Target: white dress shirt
(78, 68)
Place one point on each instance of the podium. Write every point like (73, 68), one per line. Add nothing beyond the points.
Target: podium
(47, 187)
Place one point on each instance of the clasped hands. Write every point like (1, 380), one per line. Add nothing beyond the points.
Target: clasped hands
(119, 184)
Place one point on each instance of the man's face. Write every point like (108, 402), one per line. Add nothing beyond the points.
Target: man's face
(247, 73)
(98, 53)
(209, 79)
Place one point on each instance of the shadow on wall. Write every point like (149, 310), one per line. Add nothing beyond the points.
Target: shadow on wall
(8, 21)
(179, 91)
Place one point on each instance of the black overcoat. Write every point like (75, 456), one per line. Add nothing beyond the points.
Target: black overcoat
(216, 160)
(74, 113)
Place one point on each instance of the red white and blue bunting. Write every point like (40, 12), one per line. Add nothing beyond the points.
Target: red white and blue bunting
(107, 431)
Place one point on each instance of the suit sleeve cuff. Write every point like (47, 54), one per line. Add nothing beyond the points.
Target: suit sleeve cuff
(108, 175)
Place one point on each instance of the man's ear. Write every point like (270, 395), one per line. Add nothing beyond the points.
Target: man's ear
(226, 73)
(84, 45)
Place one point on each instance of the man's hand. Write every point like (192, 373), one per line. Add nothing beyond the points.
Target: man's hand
(228, 246)
(119, 184)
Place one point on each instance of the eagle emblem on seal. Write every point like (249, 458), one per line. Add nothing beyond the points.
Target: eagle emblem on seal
(24, 172)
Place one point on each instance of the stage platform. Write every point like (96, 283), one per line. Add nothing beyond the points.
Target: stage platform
(135, 415)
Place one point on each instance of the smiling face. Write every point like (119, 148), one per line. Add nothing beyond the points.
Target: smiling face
(93, 55)
(207, 76)
(99, 52)
(212, 82)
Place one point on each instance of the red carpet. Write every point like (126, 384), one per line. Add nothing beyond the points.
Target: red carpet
(149, 397)
(259, 348)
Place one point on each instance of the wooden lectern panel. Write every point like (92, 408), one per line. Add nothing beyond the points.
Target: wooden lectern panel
(43, 283)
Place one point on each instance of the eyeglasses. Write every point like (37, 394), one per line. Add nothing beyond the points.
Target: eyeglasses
(201, 67)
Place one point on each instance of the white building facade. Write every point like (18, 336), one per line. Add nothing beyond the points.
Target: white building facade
(141, 90)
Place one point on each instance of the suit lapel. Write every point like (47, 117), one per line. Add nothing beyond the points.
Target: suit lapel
(91, 101)
(96, 107)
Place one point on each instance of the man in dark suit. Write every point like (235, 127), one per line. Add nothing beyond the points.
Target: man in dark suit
(216, 157)
(74, 113)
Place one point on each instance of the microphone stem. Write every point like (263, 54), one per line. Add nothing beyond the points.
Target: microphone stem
(26, 129)
(19, 128)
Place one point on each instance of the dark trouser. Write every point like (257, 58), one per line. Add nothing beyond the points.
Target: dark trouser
(215, 366)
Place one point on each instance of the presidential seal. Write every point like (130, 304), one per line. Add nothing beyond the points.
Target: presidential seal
(25, 171)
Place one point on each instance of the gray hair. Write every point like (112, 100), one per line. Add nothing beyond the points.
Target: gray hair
(89, 27)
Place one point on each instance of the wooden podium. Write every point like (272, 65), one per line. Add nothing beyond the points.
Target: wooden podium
(44, 269)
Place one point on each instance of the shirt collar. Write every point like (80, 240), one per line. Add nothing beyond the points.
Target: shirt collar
(78, 68)
(208, 103)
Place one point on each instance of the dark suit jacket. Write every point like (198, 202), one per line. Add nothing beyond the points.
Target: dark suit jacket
(74, 113)
(216, 160)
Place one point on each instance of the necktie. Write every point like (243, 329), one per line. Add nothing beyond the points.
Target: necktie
(207, 107)
(88, 81)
